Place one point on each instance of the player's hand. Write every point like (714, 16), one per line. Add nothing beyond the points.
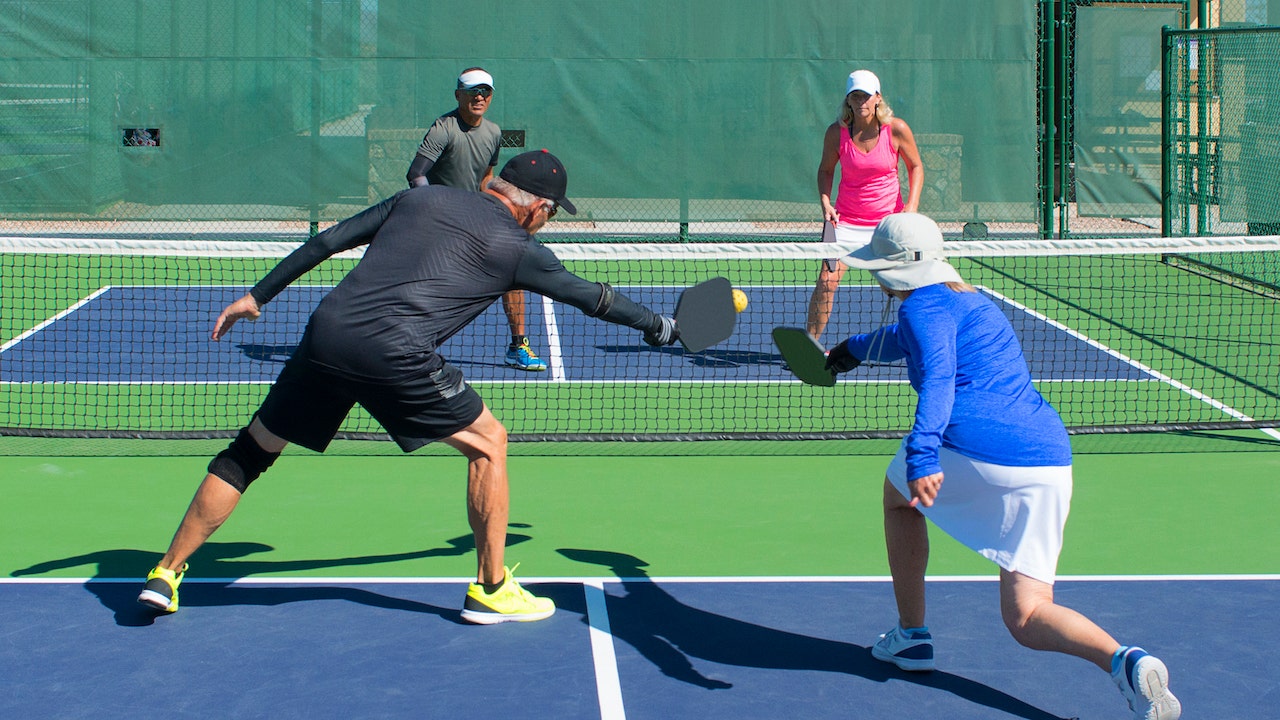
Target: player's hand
(840, 360)
(925, 490)
(666, 333)
(246, 308)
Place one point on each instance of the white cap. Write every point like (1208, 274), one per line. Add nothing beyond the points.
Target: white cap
(863, 80)
(474, 78)
(905, 253)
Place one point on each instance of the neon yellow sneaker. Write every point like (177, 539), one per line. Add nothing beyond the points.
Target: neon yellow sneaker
(161, 590)
(509, 603)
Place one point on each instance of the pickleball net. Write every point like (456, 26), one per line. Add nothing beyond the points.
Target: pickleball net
(108, 337)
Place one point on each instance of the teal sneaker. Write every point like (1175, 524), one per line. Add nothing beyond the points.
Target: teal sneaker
(521, 357)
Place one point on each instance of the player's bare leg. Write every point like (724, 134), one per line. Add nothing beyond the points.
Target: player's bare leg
(484, 444)
(1027, 606)
(213, 503)
(519, 354)
(1037, 622)
(513, 306)
(908, 643)
(823, 299)
(906, 537)
(495, 597)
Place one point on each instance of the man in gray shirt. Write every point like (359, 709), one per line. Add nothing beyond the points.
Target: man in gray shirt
(460, 150)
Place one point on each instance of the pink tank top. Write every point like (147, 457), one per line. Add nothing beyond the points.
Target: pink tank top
(869, 187)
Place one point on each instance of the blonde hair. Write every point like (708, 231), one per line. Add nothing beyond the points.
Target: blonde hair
(884, 113)
(961, 286)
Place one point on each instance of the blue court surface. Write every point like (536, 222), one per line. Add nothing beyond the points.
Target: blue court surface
(712, 649)
(155, 334)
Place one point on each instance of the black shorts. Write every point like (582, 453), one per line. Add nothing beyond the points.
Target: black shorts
(307, 405)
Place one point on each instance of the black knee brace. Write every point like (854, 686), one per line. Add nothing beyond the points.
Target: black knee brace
(605, 303)
(242, 462)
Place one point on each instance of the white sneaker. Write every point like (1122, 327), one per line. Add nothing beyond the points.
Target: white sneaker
(912, 651)
(1144, 682)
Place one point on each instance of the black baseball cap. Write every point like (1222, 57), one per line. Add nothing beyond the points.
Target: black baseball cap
(540, 173)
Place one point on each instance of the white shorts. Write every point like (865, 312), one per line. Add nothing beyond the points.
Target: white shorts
(1013, 516)
(846, 235)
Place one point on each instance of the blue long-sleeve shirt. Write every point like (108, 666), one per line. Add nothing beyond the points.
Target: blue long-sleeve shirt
(976, 396)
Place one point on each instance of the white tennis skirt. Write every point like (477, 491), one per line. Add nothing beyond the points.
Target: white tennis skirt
(846, 234)
(1013, 516)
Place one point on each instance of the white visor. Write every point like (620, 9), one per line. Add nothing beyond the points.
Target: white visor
(474, 78)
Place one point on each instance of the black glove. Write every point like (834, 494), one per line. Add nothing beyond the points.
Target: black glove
(840, 360)
(665, 334)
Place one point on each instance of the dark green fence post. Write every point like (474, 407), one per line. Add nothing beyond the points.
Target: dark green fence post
(1166, 132)
(1048, 114)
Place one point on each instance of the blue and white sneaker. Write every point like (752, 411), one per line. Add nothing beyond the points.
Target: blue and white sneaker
(1144, 682)
(521, 356)
(910, 650)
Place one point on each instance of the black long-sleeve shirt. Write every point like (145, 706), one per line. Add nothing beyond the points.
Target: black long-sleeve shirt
(436, 258)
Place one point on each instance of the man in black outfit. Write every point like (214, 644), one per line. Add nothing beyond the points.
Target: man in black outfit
(436, 258)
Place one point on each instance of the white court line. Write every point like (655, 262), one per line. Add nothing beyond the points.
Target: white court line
(608, 686)
(555, 357)
(600, 582)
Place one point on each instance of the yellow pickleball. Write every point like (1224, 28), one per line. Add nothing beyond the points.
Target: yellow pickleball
(739, 300)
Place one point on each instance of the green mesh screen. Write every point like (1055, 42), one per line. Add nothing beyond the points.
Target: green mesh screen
(264, 110)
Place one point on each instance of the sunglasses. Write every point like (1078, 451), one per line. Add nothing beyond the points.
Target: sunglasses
(552, 209)
(482, 91)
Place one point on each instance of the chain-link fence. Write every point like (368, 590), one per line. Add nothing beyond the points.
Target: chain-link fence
(1223, 120)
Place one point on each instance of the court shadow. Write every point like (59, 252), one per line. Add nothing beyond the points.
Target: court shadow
(668, 633)
(478, 363)
(711, 357)
(122, 599)
(221, 560)
(1266, 444)
(267, 353)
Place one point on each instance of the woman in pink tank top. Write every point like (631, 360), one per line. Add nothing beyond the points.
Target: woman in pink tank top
(867, 143)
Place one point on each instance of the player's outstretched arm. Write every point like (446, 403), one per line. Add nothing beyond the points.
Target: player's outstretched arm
(246, 308)
(353, 232)
(540, 271)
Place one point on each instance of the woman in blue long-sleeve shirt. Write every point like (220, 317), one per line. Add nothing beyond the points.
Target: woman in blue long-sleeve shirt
(982, 426)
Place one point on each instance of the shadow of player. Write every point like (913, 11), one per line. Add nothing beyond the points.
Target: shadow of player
(220, 560)
(668, 633)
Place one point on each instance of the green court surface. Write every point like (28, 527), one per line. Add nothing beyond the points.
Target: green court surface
(1182, 504)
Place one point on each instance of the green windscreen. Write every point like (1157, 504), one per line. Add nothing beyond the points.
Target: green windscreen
(262, 110)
